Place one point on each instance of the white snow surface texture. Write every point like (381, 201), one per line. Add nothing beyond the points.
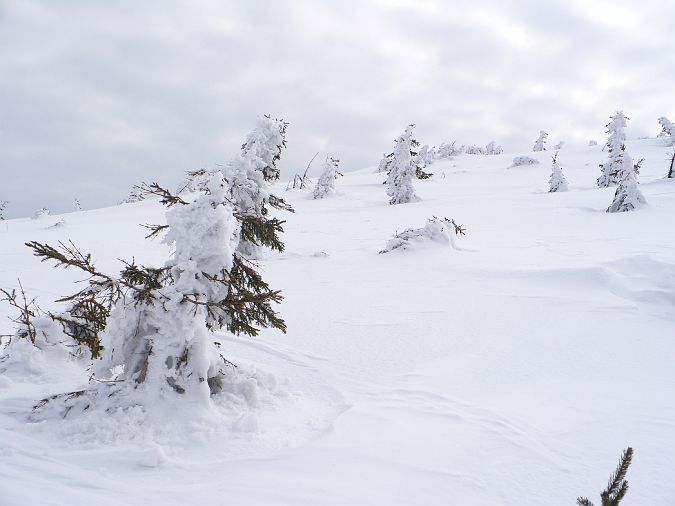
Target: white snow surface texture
(512, 370)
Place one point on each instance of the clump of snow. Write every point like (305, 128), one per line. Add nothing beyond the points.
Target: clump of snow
(436, 230)
(522, 160)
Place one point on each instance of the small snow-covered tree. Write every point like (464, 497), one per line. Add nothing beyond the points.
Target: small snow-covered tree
(77, 205)
(559, 146)
(420, 158)
(557, 181)
(3, 206)
(425, 156)
(399, 182)
(539, 143)
(592, 143)
(616, 145)
(667, 129)
(325, 186)
(195, 180)
(627, 196)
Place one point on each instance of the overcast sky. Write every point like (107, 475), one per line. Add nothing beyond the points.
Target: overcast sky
(96, 96)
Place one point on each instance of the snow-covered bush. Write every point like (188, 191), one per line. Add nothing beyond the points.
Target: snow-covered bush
(399, 182)
(448, 150)
(492, 148)
(436, 230)
(40, 338)
(522, 160)
(425, 157)
(474, 149)
(616, 145)
(325, 186)
(557, 181)
(539, 143)
(40, 213)
(627, 196)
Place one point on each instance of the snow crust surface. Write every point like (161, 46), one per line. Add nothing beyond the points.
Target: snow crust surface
(511, 370)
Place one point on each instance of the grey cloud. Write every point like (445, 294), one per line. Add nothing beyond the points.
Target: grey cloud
(96, 96)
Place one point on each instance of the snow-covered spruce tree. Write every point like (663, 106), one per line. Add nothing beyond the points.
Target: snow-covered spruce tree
(158, 330)
(627, 196)
(559, 146)
(3, 206)
(557, 182)
(539, 143)
(325, 186)
(616, 145)
(249, 176)
(399, 182)
(420, 158)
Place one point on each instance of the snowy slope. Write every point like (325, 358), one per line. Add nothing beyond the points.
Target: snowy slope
(512, 371)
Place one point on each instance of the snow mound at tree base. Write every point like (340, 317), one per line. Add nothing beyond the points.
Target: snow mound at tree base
(99, 415)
